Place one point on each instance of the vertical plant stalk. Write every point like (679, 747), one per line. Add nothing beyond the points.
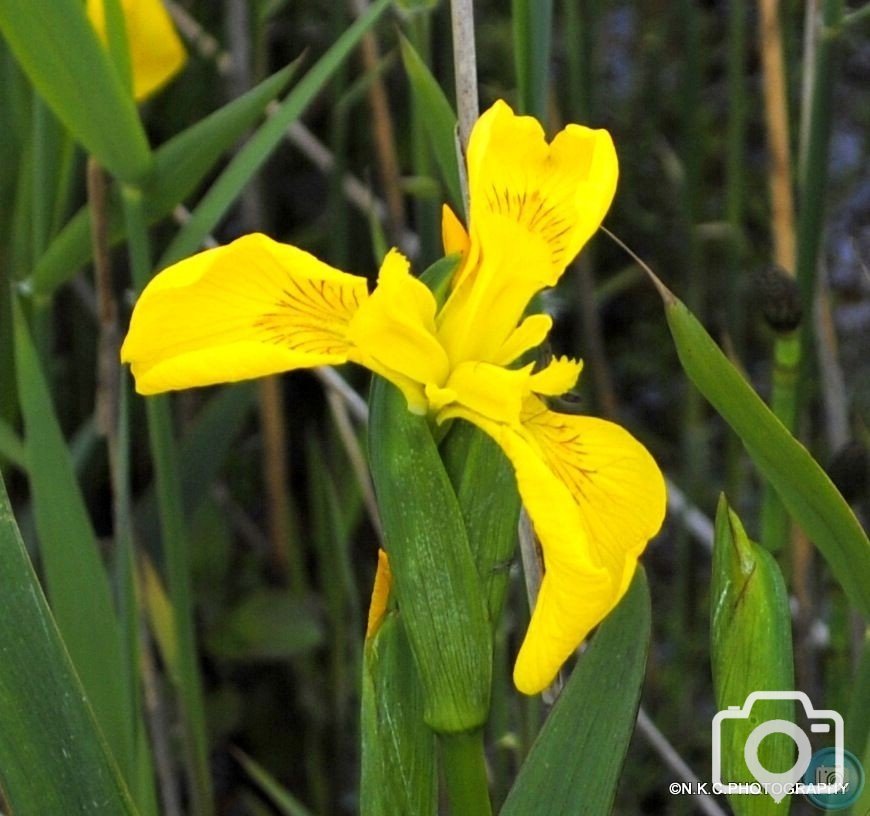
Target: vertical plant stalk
(465, 770)
(112, 420)
(158, 730)
(810, 229)
(787, 348)
(107, 312)
(174, 538)
(283, 557)
(464, 67)
(382, 130)
(694, 446)
(776, 121)
(735, 176)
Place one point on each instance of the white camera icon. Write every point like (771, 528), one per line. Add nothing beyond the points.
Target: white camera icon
(779, 785)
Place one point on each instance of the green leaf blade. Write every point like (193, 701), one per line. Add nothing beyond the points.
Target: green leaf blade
(53, 758)
(77, 581)
(179, 167)
(805, 489)
(62, 56)
(261, 145)
(440, 121)
(575, 763)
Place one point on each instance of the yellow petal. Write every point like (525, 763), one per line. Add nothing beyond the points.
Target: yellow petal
(251, 308)
(380, 595)
(494, 392)
(558, 377)
(156, 51)
(394, 332)
(533, 206)
(595, 497)
(530, 333)
(453, 234)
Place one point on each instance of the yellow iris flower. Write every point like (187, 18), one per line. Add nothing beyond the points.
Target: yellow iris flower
(255, 307)
(156, 51)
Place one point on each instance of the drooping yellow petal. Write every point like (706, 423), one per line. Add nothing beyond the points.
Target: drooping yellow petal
(393, 333)
(156, 51)
(380, 595)
(533, 206)
(251, 308)
(595, 497)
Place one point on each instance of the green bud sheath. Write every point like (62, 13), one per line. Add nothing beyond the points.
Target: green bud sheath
(398, 749)
(751, 652)
(440, 597)
(486, 489)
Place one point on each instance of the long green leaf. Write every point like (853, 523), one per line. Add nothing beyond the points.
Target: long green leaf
(805, 489)
(78, 585)
(179, 166)
(258, 149)
(750, 633)
(575, 763)
(439, 121)
(53, 758)
(62, 56)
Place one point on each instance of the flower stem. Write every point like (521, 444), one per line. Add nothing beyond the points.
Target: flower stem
(174, 539)
(464, 66)
(465, 771)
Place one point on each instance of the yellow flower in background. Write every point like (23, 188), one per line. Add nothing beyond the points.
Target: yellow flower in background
(255, 307)
(156, 51)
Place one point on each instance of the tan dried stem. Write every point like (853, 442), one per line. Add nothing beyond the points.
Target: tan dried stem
(382, 130)
(464, 66)
(776, 121)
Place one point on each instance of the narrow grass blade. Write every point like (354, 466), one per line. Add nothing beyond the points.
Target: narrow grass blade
(62, 56)
(284, 801)
(435, 577)
(398, 749)
(203, 452)
(578, 756)
(750, 630)
(77, 582)
(253, 155)
(11, 447)
(532, 25)
(440, 121)
(805, 489)
(53, 758)
(179, 166)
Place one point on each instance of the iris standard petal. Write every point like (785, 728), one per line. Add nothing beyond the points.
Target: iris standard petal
(251, 308)
(533, 206)
(156, 51)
